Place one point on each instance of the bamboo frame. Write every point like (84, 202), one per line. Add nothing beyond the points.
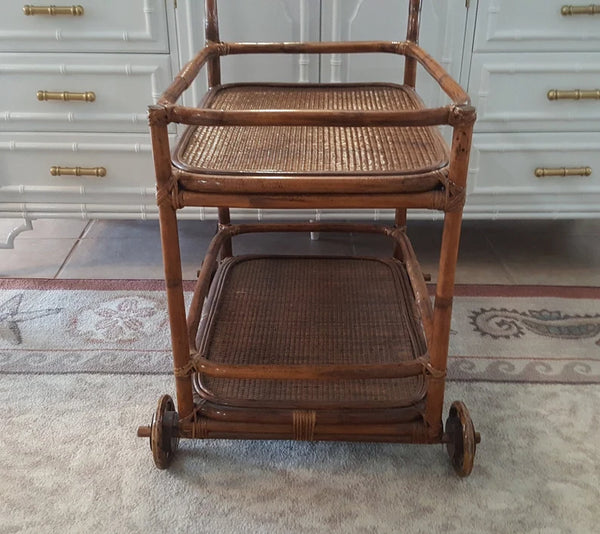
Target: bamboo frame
(172, 195)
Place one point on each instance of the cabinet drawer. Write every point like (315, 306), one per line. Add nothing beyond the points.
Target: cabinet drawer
(535, 25)
(110, 92)
(511, 91)
(27, 160)
(505, 166)
(131, 26)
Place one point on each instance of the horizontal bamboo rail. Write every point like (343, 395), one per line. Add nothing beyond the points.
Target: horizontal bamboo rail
(429, 200)
(395, 432)
(324, 182)
(405, 48)
(320, 47)
(365, 371)
(259, 117)
(187, 75)
(388, 412)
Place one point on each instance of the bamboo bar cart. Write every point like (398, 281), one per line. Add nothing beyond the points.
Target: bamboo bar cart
(311, 347)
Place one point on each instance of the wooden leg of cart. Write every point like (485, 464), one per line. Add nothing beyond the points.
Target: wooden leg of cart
(460, 435)
(163, 431)
(399, 222)
(225, 221)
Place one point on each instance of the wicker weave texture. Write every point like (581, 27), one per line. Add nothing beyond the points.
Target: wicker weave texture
(282, 310)
(304, 150)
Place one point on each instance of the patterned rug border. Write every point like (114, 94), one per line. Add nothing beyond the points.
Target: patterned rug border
(498, 322)
(461, 290)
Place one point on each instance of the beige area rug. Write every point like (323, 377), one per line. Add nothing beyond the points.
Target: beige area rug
(499, 333)
(82, 365)
(71, 463)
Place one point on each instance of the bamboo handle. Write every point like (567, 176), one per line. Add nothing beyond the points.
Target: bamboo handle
(78, 171)
(575, 94)
(76, 11)
(542, 172)
(65, 96)
(567, 11)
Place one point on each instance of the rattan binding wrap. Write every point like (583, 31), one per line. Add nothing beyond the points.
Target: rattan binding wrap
(304, 150)
(308, 310)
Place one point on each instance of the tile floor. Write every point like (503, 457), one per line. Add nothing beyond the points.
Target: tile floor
(496, 252)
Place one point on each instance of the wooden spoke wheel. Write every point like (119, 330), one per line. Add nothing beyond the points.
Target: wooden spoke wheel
(461, 439)
(164, 432)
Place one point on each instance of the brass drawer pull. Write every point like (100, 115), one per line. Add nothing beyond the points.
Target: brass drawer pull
(76, 11)
(567, 11)
(575, 94)
(541, 172)
(65, 96)
(77, 171)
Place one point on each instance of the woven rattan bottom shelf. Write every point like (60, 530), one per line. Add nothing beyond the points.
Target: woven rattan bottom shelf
(274, 310)
(316, 348)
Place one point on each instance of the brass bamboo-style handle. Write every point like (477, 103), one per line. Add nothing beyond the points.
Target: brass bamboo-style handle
(65, 96)
(76, 11)
(567, 11)
(542, 172)
(575, 94)
(78, 171)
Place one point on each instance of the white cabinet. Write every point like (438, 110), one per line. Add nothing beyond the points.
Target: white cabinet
(75, 83)
(74, 89)
(535, 80)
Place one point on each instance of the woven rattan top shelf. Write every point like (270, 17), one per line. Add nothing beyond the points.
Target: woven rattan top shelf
(400, 159)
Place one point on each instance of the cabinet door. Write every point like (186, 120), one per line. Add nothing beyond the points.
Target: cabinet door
(255, 21)
(442, 34)
(274, 21)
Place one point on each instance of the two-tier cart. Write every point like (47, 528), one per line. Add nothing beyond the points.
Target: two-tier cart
(311, 347)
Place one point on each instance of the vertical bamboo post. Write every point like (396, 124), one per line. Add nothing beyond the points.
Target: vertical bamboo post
(224, 221)
(171, 256)
(211, 34)
(442, 310)
(410, 79)
(214, 78)
(412, 34)
(399, 222)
